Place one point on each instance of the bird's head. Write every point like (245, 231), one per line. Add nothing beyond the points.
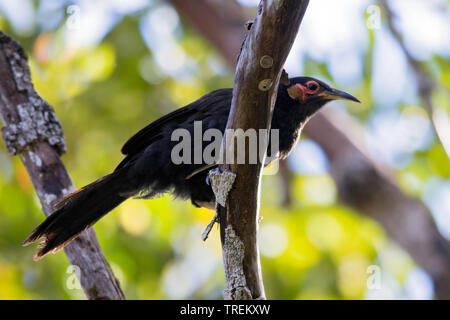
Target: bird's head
(312, 94)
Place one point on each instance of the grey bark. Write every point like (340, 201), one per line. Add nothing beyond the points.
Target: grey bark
(32, 131)
(395, 215)
(258, 73)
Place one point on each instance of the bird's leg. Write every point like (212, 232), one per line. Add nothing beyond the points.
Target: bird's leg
(211, 206)
(205, 233)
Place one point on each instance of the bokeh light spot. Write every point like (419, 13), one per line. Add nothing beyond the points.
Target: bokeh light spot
(134, 217)
(273, 240)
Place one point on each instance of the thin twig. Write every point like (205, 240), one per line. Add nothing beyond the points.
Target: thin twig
(426, 85)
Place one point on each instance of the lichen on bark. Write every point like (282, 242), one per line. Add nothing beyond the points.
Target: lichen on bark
(36, 119)
(233, 249)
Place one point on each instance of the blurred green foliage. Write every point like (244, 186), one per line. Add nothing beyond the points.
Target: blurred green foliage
(316, 249)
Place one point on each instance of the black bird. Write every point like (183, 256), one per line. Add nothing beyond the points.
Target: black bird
(147, 169)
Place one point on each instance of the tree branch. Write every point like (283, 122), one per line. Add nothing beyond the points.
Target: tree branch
(208, 15)
(425, 83)
(258, 72)
(393, 215)
(363, 185)
(32, 131)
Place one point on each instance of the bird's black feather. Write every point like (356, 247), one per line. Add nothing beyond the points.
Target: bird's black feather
(148, 166)
(196, 110)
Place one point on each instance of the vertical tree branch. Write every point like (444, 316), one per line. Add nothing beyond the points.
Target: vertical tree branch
(32, 131)
(258, 72)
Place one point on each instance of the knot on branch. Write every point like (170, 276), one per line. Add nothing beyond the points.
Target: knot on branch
(265, 84)
(266, 61)
(221, 184)
(234, 271)
(33, 120)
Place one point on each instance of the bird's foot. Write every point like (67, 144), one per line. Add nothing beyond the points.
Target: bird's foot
(205, 233)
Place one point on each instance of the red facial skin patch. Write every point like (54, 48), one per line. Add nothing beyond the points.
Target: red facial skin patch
(300, 92)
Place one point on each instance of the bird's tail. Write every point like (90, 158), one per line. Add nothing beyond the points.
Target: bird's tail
(77, 212)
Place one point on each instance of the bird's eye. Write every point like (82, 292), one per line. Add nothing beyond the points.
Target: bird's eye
(312, 86)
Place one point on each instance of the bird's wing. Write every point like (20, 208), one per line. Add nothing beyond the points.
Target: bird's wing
(205, 167)
(145, 136)
(195, 110)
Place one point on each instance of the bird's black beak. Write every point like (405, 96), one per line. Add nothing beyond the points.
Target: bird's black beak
(334, 94)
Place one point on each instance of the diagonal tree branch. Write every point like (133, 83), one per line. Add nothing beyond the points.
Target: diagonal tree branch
(32, 131)
(258, 72)
(209, 15)
(426, 85)
(426, 245)
(363, 185)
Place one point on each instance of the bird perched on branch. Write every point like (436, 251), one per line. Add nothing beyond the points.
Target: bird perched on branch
(148, 165)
